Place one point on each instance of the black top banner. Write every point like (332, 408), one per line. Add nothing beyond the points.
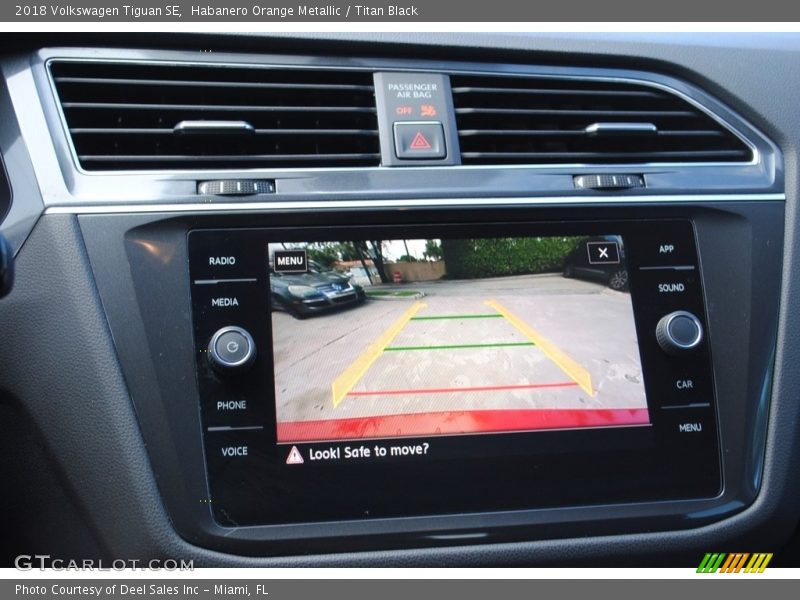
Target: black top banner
(469, 11)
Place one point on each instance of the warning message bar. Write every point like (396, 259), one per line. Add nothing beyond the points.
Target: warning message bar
(334, 452)
(450, 11)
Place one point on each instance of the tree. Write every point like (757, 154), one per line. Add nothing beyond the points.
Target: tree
(407, 256)
(501, 257)
(325, 253)
(433, 250)
(348, 251)
(359, 248)
(374, 250)
(328, 253)
(377, 258)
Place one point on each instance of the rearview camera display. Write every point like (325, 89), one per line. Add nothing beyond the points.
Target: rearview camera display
(429, 337)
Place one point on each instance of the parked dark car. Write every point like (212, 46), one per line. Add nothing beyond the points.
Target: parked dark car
(579, 264)
(319, 290)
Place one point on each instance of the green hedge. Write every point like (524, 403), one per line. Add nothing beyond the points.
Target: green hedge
(475, 258)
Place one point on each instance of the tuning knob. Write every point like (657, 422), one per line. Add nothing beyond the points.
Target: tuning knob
(679, 333)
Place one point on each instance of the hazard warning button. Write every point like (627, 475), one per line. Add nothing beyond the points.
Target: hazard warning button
(423, 140)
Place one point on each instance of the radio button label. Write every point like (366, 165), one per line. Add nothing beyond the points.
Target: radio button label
(221, 261)
(216, 257)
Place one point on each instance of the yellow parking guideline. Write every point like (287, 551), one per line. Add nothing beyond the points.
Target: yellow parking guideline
(345, 382)
(553, 352)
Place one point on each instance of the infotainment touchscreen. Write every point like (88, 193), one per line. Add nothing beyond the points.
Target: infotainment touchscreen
(371, 371)
(438, 337)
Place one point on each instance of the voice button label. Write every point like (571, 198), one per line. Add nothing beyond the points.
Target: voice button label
(231, 451)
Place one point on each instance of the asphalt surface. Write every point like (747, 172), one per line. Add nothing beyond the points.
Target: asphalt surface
(589, 323)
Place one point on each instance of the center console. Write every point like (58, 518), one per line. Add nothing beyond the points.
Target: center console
(525, 365)
(541, 372)
(392, 304)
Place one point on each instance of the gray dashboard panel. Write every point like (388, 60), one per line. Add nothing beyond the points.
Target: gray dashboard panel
(156, 284)
(145, 530)
(26, 203)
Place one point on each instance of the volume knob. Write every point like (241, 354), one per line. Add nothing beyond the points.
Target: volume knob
(679, 332)
(231, 349)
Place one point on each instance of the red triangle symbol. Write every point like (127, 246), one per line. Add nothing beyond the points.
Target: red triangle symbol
(294, 458)
(420, 142)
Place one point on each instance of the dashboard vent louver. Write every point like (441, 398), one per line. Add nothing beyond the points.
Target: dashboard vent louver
(505, 120)
(130, 116)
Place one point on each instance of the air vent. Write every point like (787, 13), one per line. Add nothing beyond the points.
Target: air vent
(504, 120)
(124, 116)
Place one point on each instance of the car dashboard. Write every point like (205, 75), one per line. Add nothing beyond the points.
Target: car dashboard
(399, 299)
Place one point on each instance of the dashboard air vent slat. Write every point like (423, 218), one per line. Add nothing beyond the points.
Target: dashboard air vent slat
(519, 120)
(212, 107)
(124, 116)
(221, 158)
(223, 84)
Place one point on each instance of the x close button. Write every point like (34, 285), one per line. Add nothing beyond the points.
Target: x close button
(414, 140)
(603, 253)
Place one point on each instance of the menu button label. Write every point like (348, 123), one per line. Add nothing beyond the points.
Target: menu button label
(690, 427)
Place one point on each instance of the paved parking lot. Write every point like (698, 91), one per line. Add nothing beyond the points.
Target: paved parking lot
(506, 344)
